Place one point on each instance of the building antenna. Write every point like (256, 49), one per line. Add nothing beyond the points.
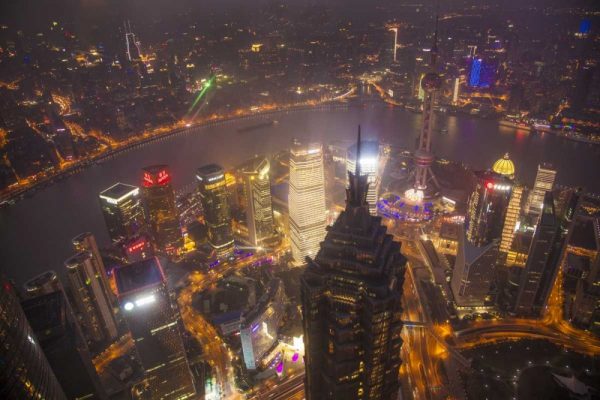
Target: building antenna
(358, 145)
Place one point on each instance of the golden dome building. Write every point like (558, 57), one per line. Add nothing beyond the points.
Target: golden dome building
(505, 167)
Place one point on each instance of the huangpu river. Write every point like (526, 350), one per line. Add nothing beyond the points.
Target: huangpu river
(36, 232)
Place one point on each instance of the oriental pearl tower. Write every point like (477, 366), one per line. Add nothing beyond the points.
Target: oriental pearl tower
(431, 84)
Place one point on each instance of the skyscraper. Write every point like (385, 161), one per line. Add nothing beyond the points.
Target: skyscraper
(372, 164)
(259, 209)
(473, 274)
(486, 208)
(122, 210)
(479, 244)
(351, 306)
(87, 242)
(542, 262)
(159, 201)
(25, 373)
(306, 200)
(155, 327)
(544, 182)
(513, 213)
(90, 296)
(215, 203)
(63, 343)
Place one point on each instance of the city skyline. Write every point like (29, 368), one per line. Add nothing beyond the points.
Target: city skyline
(187, 212)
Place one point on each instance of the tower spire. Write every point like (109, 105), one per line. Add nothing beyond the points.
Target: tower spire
(356, 194)
(358, 144)
(434, 48)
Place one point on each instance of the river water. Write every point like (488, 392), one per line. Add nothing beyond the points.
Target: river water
(35, 233)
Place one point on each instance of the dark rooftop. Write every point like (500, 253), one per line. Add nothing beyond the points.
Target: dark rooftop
(139, 275)
(583, 234)
(209, 170)
(155, 169)
(46, 313)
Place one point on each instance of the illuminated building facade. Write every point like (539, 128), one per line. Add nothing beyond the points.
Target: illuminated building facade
(486, 208)
(259, 326)
(306, 200)
(154, 324)
(87, 242)
(475, 74)
(513, 213)
(161, 213)
(455, 91)
(544, 182)
(122, 210)
(64, 346)
(259, 209)
(215, 203)
(351, 305)
(91, 302)
(372, 164)
(482, 73)
(25, 372)
(542, 262)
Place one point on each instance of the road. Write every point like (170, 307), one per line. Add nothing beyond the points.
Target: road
(116, 350)
(217, 353)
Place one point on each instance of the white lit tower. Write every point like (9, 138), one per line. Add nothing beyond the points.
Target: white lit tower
(306, 200)
(431, 83)
(132, 44)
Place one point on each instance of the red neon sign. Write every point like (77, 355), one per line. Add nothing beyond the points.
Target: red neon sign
(148, 180)
(136, 246)
(163, 177)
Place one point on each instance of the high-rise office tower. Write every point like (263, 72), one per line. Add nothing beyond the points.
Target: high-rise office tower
(122, 210)
(25, 373)
(259, 209)
(486, 208)
(154, 323)
(542, 262)
(90, 296)
(161, 213)
(479, 244)
(215, 203)
(473, 273)
(513, 213)
(87, 242)
(351, 306)
(372, 164)
(544, 182)
(306, 200)
(44, 283)
(63, 344)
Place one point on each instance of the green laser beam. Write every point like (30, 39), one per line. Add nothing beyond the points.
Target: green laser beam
(203, 91)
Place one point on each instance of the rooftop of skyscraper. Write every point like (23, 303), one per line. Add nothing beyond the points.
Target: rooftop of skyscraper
(46, 314)
(504, 166)
(584, 235)
(119, 191)
(138, 276)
